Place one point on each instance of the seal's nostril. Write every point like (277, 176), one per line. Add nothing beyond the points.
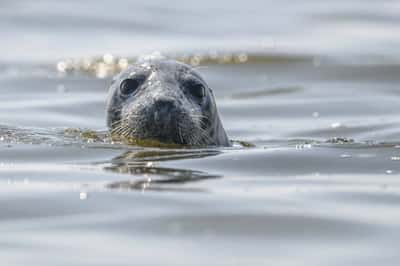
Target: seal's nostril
(157, 116)
(162, 116)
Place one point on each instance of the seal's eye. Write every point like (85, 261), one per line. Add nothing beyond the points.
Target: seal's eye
(129, 86)
(195, 88)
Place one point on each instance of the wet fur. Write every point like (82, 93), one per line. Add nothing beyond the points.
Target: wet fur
(192, 123)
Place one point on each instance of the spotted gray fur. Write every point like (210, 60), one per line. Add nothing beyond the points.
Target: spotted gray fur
(164, 107)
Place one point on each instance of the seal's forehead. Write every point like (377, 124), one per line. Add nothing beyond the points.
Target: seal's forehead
(178, 69)
(170, 68)
(132, 70)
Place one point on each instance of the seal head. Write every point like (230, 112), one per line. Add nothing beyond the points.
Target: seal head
(166, 101)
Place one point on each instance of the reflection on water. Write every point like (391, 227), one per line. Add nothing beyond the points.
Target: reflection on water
(142, 166)
(162, 155)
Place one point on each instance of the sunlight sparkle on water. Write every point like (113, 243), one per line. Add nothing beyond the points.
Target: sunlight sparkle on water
(83, 195)
(123, 63)
(61, 66)
(108, 58)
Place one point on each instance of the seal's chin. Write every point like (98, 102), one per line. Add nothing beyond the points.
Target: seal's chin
(162, 132)
(176, 130)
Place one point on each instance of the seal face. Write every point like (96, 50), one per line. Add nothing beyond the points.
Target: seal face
(164, 100)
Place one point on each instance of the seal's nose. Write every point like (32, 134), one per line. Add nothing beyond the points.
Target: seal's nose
(164, 103)
(163, 108)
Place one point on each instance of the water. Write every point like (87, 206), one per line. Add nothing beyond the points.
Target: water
(320, 187)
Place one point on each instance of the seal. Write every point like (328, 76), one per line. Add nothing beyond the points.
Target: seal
(164, 100)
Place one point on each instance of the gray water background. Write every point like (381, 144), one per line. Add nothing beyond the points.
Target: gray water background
(299, 197)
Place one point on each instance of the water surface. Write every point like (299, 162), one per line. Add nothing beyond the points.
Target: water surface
(320, 187)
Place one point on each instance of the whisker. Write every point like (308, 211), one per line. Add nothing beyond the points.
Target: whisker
(180, 133)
